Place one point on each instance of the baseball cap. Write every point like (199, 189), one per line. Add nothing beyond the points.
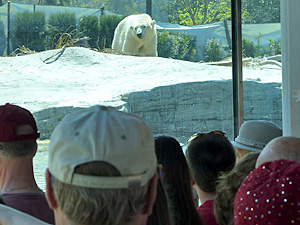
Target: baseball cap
(104, 134)
(269, 195)
(12, 117)
(255, 134)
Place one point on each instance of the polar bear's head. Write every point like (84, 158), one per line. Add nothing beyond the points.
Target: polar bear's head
(142, 30)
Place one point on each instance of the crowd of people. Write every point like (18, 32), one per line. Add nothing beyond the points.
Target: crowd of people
(106, 167)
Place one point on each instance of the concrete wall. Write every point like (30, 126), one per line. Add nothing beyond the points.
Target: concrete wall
(184, 109)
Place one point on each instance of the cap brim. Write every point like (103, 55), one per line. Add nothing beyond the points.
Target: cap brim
(245, 147)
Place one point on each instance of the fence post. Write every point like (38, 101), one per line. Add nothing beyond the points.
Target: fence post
(237, 65)
(149, 7)
(8, 27)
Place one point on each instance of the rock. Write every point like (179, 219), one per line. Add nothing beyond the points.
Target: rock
(183, 109)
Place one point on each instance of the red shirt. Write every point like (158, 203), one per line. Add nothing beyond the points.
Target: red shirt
(206, 211)
(34, 204)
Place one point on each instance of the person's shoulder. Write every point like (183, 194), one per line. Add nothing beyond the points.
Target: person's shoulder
(206, 212)
(207, 204)
(24, 195)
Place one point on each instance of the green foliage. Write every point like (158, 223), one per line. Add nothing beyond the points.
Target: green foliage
(29, 30)
(252, 50)
(171, 8)
(213, 50)
(58, 24)
(248, 48)
(122, 7)
(210, 12)
(57, 2)
(164, 43)
(197, 12)
(178, 46)
(89, 26)
(258, 51)
(184, 47)
(107, 28)
(262, 11)
(274, 47)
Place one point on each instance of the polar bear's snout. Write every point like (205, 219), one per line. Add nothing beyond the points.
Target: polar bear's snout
(140, 32)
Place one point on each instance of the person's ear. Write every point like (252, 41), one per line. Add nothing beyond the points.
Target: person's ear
(49, 191)
(36, 148)
(151, 196)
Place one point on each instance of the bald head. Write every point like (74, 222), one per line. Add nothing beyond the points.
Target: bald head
(280, 148)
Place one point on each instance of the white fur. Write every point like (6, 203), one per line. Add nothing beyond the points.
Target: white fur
(126, 40)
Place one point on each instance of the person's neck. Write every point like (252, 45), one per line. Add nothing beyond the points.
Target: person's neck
(16, 176)
(204, 196)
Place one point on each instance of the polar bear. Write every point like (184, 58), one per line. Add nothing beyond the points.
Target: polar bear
(136, 35)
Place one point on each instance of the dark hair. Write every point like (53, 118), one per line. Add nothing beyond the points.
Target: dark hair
(227, 187)
(176, 180)
(208, 155)
(161, 214)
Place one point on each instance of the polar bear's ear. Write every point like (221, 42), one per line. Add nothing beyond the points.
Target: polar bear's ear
(153, 22)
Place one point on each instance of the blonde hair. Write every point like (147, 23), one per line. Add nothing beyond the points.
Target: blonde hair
(85, 206)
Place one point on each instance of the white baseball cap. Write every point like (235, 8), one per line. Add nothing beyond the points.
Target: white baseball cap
(103, 134)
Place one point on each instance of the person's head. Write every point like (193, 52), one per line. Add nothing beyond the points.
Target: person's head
(280, 148)
(269, 195)
(18, 132)
(254, 135)
(102, 168)
(209, 154)
(228, 184)
(176, 179)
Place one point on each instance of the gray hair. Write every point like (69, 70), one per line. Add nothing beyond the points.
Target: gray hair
(18, 149)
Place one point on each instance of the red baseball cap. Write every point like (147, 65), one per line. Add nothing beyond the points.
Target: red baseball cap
(270, 194)
(11, 118)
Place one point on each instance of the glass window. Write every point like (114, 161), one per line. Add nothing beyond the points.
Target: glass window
(186, 89)
(262, 72)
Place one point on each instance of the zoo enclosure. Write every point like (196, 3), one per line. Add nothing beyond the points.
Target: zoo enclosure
(201, 32)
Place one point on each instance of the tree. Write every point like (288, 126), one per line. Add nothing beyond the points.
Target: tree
(54, 2)
(122, 7)
(195, 12)
(262, 11)
(203, 12)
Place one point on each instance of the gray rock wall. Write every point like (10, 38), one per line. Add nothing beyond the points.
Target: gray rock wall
(183, 109)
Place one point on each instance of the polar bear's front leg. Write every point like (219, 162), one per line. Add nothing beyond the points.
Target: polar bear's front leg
(131, 47)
